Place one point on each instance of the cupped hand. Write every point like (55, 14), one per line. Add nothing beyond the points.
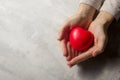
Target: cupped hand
(63, 36)
(83, 18)
(99, 33)
(99, 29)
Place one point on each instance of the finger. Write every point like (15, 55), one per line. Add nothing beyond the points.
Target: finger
(81, 57)
(76, 53)
(95, 47)
(63, 45)
(63, 31)
(69, 51)
(73, 53)
(100, 47)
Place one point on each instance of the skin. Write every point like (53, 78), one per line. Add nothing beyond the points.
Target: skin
(98, 27)
(84, 15)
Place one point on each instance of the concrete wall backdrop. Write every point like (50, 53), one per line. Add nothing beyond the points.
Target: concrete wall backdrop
(29, 49)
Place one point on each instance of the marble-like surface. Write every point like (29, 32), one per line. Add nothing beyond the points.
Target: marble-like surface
(29, 49)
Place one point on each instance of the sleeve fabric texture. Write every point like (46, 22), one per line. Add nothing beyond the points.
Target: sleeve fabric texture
(94, 3)
(110, 6)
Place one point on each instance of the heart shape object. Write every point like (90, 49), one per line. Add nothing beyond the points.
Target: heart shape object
(81, 39)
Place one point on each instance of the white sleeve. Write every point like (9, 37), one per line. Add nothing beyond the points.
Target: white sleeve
(112, 7)
(94, 3)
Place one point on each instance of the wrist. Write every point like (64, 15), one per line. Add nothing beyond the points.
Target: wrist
(86, 11)
(104, 18)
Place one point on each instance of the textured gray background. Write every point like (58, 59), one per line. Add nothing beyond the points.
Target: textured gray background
(29, 49)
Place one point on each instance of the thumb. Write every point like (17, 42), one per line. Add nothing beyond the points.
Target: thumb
(63, 31)
(100, 47)
(81, 57)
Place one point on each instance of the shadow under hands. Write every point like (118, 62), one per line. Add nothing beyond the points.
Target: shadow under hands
(92, 68)
(113, 46)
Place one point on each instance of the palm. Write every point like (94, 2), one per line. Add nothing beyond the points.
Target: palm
(100, 40)
(98, 47)
(68, 51)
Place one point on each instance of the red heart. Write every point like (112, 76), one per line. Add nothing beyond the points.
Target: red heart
(81, 39)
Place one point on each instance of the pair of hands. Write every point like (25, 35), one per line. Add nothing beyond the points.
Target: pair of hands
(98, 27)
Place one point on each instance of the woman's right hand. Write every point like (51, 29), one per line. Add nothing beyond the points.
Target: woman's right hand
(82, 18)
(98, 28)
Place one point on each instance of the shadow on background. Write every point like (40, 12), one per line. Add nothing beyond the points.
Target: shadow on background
(94, 67)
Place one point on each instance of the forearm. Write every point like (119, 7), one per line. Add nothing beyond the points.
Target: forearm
(112, 7)
(104, 18)
(86, 10)
(94, 3)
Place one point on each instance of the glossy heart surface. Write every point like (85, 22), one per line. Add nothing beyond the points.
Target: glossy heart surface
(81, 39)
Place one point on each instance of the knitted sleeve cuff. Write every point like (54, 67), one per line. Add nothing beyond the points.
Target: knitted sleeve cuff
(94, 3)
(112, 7)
